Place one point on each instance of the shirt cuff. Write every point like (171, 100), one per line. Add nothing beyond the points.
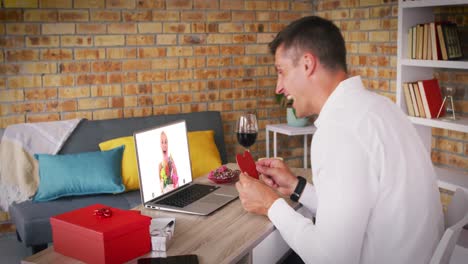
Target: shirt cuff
(309, 197)
(279, 215)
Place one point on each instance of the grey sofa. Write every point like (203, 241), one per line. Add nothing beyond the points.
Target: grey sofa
(32, 218)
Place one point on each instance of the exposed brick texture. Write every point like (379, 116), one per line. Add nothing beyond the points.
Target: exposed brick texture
(100, 59)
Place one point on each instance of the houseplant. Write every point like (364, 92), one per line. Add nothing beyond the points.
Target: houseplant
(291, 118)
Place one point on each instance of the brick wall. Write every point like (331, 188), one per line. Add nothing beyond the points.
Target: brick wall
(105, 59)
(102, 59)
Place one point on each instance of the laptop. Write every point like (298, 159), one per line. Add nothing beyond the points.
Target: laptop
(165, 173)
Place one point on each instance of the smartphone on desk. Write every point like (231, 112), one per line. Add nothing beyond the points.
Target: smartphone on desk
(181, 259)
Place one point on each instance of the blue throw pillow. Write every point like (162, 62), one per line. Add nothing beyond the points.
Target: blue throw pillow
(79, 174)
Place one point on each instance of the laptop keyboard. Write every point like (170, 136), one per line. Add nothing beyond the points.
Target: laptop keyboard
(188, 195)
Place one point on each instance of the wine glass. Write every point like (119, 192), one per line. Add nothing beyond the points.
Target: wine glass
(247, 130)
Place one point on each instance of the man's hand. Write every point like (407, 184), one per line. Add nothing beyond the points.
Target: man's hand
(276, 174)
(254, 195)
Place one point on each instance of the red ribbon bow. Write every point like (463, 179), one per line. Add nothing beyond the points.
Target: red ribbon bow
(105, 212)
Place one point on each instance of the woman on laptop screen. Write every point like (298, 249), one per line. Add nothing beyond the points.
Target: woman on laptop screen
(167, 168)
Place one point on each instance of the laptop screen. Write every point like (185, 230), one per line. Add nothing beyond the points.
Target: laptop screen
(163, 159)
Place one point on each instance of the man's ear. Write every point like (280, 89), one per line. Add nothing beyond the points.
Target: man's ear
(309, 63)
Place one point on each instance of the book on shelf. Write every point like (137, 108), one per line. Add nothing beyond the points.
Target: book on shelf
(434, 41)
(423, 98)
(452, 41)
(415, 42)
(425, 103)
(436, 55)
(432, 96)
(429, 42)
(413, 100)
(443, 49)
(419, 41)
(425, 30)
(422, 113)
(409, 102)
(410, 43)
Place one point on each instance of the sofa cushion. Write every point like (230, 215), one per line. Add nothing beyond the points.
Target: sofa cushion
(204, 155)
(129, 160)
(79, 174)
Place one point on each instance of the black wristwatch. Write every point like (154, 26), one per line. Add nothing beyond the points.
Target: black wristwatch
(299, 189)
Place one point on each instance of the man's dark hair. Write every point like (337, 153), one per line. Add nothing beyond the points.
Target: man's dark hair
(316, 35)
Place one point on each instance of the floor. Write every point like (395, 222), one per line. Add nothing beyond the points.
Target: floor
(12, 251)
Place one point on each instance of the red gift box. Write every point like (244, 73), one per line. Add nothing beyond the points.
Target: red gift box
(92, 236)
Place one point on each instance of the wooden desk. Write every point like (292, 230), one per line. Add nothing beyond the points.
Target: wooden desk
(229, 235)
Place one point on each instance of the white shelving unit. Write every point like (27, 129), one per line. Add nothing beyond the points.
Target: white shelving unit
(290, 131)
(411, 13)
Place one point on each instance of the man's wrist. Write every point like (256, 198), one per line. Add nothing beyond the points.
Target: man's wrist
(293, 185)
(301, 183)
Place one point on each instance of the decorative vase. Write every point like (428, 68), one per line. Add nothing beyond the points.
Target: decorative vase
(293, 120)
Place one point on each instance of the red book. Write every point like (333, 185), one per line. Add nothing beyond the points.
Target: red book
(432, 96)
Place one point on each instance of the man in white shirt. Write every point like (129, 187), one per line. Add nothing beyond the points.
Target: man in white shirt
(375, 193)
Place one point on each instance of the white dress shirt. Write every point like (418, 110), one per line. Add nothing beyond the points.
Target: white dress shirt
(375, 193)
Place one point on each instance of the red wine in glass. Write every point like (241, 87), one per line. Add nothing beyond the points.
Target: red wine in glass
(247, 129)
(246, 139)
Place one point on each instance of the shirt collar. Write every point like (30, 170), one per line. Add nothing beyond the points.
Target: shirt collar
(333, 100)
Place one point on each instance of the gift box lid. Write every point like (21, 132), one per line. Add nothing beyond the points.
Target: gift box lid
(88, 224)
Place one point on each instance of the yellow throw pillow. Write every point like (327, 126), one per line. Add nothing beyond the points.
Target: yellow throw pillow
(129, 160)
(203, 152)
